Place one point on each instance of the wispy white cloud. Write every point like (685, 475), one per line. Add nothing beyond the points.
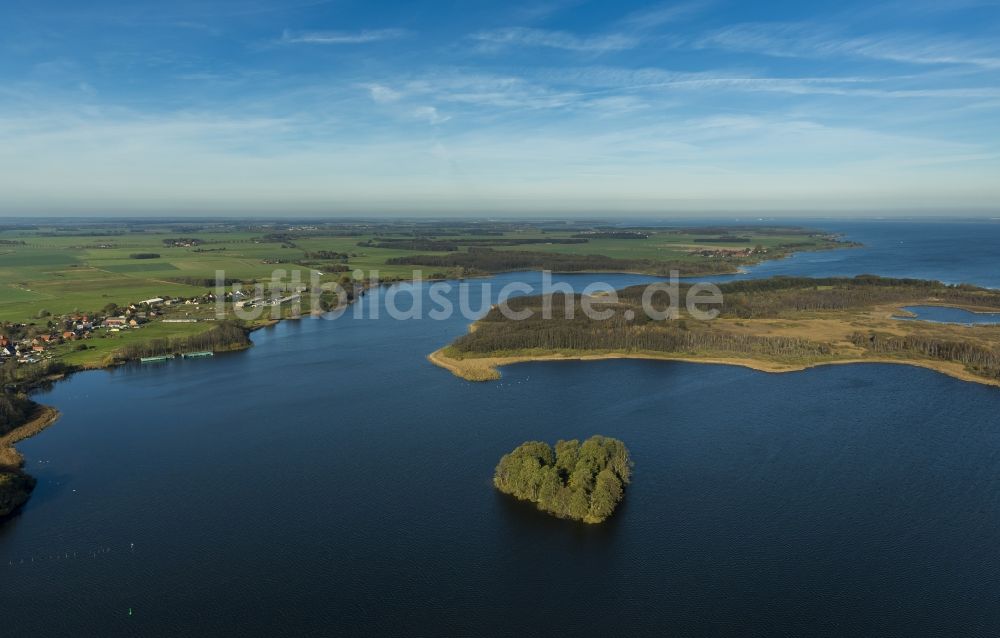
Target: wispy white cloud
(524, 37)
(812, 41)
(382, 94)
(660, 14)
(340, 37)
(429, 114)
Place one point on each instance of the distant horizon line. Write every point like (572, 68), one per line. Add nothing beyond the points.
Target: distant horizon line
(611, 217)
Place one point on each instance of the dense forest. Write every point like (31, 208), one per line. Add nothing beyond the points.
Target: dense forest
(487, 260)
(981, 359)
(15, 408)
(778, 298)
(15, 485)
(584, 482)
(497, 335)
(774, 297)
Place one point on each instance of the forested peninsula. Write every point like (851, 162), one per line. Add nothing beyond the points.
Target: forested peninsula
(583, 482)
(20, 418)
(776, 325)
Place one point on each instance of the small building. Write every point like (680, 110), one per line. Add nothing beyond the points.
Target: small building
(155, 301)
(69, 335)
(114, 322)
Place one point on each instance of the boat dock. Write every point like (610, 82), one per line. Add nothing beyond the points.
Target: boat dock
(197, 355)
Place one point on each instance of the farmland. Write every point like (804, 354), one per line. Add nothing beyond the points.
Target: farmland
(57, 270)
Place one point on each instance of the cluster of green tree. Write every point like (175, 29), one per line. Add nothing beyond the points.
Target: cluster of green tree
(486, 260)
(15, 377)
(11, 242)
(612, 234)
(584, 482)
(285, 239)
(15, 410)
(144, 256)
(778, 296)
(227, 335)
(410, 244)
(205, 282)
(980, 359)
(327, 255)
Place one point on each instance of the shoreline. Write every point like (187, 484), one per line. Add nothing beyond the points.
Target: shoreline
(12, 461)
(43, 417)
(16, 485)
(482, 369)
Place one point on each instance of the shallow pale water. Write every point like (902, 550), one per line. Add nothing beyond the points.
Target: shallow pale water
(330, 481)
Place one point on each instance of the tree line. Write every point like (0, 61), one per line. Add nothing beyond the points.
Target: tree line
(452, 245)
(980, 359)
(227, 335)
(487, 260)
(775, 297)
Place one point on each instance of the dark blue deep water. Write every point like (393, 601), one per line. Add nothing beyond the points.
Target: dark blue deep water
(331, 482)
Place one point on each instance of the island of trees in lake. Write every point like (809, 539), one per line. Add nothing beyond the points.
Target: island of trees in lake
(584, 482)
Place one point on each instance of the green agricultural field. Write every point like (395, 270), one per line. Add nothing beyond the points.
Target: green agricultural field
(85, 266)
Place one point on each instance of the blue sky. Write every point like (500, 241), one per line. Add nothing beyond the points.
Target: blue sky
(567, 106)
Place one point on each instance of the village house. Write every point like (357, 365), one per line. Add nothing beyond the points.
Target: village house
(114, 322)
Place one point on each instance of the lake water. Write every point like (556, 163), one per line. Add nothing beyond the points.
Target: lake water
(942, 314)
(330, 481)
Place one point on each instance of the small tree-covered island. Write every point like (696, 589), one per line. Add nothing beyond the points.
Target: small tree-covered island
(584, 482)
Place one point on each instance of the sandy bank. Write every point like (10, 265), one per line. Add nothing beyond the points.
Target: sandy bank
(487, 368)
